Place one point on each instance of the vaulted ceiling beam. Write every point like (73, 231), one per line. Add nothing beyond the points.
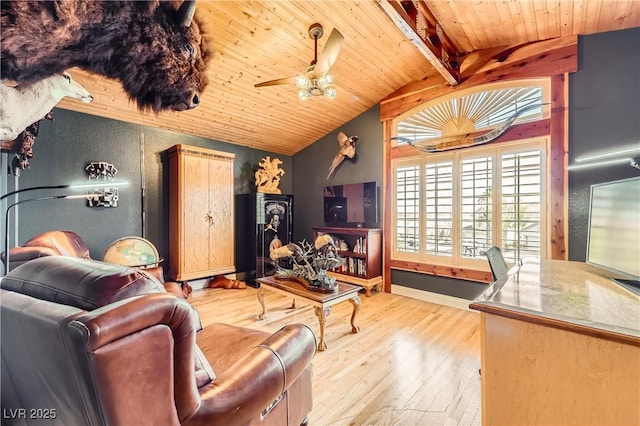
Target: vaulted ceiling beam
(418, 24)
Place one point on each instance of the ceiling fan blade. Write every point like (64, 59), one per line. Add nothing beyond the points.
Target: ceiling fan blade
(344, 94)
(329, 54)
(288, 80)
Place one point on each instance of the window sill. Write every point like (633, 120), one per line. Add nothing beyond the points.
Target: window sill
(441, 270)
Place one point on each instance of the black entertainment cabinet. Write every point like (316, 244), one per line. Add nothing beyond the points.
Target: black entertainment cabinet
(261, 220)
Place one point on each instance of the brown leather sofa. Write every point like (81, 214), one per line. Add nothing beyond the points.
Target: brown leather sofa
(68, 243)
(50, 243)
(90, 343)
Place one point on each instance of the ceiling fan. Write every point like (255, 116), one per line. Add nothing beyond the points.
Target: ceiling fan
(317, 80)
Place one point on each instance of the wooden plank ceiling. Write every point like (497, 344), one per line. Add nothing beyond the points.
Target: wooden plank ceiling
(255, 41)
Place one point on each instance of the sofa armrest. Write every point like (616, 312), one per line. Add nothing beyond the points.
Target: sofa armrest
(135, 316)
(20, 254)
(255, 381)
(128, 316)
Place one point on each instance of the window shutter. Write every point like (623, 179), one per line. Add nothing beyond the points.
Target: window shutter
(407, 224)
(476, 206)
(439, 208)
(521, 198)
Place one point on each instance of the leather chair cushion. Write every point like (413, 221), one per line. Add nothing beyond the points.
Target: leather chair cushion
(84, 283)
(222, 344)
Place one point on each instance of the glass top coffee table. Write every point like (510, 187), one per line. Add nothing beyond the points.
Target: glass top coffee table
(322, 302)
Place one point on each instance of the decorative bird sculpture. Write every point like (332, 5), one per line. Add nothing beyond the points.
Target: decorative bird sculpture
(347, 150)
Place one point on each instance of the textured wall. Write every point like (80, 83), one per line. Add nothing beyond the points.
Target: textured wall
(311, 165)
(65, 146)
(604, 100)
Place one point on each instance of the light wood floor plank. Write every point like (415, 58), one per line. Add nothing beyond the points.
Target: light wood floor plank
(412, 363)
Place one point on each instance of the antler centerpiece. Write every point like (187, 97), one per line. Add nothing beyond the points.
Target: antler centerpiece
(310, 263)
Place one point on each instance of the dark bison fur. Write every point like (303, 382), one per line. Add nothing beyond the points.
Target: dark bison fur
(155, 49)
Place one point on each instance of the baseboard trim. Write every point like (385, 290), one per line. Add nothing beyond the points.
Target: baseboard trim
(427, 296)
(203, 283)
(199, 284)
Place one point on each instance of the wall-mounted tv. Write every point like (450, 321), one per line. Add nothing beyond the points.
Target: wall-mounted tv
(354, 204)
(614, 230)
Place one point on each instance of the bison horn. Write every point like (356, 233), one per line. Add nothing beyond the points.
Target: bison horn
(186, 12)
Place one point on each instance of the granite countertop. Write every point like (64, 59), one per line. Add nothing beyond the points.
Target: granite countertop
(571, 295)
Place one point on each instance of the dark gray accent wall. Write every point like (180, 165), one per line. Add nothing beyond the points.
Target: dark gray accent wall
(604, 115)
(311, 166)
(63, 149)
(453, 287)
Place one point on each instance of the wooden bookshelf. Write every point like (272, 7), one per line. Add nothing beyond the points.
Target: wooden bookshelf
(362, 250)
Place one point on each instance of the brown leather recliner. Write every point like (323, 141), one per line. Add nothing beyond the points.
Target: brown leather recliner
(90, 343)
(68, 243)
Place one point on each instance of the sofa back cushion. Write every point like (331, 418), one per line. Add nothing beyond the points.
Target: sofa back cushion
(82, 283)
(65, 243)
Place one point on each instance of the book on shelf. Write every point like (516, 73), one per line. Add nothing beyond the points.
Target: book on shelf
(360, 246)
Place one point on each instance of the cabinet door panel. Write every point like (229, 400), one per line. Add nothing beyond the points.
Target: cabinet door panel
(221, 244)
(195, 248)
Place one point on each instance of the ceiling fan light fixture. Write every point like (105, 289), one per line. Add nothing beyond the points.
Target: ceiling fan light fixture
(330, 92)
(301, 81)
(304, 94)
(325, 81)
(317, 81)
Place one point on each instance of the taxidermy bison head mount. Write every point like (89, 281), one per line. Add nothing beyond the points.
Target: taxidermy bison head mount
(156, 49)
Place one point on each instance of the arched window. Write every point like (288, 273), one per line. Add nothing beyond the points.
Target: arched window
(450, 206)
(480, 108)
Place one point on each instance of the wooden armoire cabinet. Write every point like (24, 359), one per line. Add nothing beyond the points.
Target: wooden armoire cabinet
(201, 213)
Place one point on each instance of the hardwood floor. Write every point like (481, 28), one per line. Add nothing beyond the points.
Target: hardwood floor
(412, 363)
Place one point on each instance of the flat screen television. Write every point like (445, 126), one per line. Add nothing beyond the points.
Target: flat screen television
(353, 204)
(614, 230)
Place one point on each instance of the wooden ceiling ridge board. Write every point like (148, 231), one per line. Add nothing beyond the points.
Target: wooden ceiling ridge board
(540, 59)
(420, 26)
